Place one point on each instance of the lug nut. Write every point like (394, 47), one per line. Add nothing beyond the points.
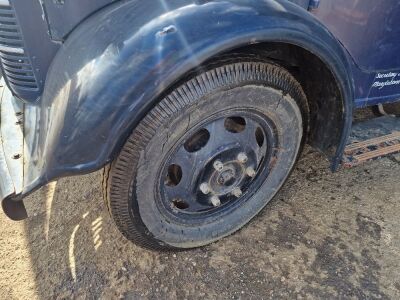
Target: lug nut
(250, 172)
(237, 192)
(215, 201)
(242, 157)
(205, 188)
(218, 165)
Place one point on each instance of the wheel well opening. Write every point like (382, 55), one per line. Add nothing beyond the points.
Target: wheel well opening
(325, 100)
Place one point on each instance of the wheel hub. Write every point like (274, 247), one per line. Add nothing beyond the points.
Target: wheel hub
(225, 181)
(227, 177)
(216, 165)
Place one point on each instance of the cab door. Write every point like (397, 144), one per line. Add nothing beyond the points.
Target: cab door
(369, 30)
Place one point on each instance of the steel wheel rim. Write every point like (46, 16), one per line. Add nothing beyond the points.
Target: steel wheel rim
(179, 188)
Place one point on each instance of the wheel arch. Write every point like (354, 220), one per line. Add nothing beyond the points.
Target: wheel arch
(325, 96)
(90, 106)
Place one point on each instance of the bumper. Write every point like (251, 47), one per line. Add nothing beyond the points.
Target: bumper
(6, 185)
(11, 154)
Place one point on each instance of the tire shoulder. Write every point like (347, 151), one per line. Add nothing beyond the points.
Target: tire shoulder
(121, 173)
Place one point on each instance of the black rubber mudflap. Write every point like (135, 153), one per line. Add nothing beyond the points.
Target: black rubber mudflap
(15, 210)
(372, 139)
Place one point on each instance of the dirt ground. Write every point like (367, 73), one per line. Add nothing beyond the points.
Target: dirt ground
(324, 236)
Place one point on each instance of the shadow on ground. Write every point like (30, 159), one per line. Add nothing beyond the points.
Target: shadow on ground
(324, 236)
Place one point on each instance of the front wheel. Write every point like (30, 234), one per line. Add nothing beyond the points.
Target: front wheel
(208, 157)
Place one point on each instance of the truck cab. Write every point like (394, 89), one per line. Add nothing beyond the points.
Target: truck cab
(196, 110)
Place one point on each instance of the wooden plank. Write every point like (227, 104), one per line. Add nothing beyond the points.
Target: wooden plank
(372, 142)
(377, 153)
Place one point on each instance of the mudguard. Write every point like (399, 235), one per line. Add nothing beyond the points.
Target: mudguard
(114, 67)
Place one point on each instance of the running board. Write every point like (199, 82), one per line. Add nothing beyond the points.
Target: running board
(372, 139)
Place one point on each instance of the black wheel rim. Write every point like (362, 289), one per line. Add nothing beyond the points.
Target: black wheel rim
(217, 165)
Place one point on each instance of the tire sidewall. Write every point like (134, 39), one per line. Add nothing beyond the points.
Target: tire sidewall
(281, 109)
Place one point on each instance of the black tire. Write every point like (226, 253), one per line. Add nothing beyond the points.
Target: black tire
(131, 181)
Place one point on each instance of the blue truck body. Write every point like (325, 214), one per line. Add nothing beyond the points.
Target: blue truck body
(368, 31)
(88, 71)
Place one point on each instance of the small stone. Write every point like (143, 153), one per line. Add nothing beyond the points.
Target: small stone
(397, 157)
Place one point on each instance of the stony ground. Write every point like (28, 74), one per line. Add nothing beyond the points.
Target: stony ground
(324, 236)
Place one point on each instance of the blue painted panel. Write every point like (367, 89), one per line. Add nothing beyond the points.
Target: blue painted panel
(368, 29)
(90, 105)
(64, 16)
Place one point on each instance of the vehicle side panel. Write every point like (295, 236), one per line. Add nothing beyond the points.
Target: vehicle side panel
(90, 105)
(370, 31)
(64, 16)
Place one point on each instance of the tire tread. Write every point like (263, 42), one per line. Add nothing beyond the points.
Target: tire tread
(119, 176)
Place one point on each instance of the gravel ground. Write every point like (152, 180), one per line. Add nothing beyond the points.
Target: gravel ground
(324, 236)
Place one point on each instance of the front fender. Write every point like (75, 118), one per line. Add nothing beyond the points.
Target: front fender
(115, 66)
